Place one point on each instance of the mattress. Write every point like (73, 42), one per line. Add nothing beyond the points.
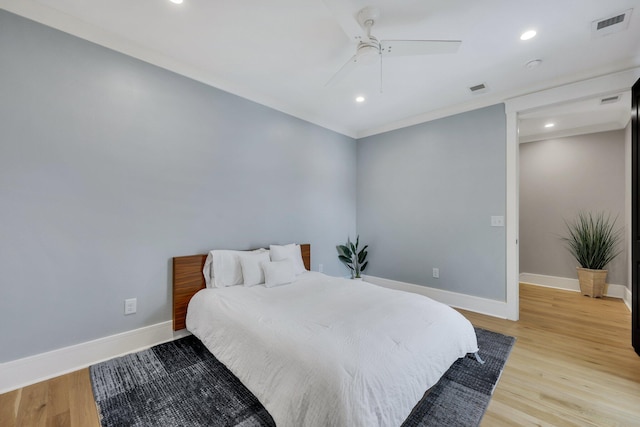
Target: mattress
(326, 351)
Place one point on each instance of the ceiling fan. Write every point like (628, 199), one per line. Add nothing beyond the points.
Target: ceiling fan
(369, 49)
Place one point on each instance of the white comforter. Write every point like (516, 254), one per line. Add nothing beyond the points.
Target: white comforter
(326, 351)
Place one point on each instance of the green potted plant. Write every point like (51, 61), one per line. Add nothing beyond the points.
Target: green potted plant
(593, 240)
(354, 258)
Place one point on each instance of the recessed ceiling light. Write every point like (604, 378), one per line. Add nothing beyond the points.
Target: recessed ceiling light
(527, 35)
(176, 1)
(549, 125)
(360, 98)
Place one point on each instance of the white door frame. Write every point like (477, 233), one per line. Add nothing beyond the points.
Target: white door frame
(598, 86)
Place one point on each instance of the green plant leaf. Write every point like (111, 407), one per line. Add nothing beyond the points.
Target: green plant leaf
(345, 251)
(354, 259)
(344, 259)
(593, 239)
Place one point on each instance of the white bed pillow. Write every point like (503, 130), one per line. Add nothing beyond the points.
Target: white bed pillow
(291, 252)
(278, 273)
(224, 267)
(207, 270)
(251, 263)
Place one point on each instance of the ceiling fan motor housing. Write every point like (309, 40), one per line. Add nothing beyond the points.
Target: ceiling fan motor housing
(368, 16)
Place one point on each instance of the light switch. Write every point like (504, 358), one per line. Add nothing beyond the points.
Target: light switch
(497, 221)
(130, 305)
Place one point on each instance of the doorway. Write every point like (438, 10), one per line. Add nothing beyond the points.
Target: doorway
(620, 82)
(574, 158)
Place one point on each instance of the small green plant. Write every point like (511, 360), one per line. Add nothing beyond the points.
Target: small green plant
(592, 239)
(355, 259)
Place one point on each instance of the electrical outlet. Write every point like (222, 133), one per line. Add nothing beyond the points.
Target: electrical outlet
(497, 221)
(436, 273)
(320, 268)
(130, 305)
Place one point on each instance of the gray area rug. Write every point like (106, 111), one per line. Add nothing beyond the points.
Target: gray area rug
(181, 383)
(463, 393)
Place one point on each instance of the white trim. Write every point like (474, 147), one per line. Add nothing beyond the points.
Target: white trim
(29, 370)
(568, 284)
(466, 302)
(448, 111)
(585, 89)
(627, 298)
(512, 207)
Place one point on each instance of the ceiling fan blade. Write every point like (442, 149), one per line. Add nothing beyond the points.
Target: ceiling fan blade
(346, 19)
(344, 71)
(418, 47)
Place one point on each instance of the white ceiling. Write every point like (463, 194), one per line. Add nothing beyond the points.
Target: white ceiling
(576, 118)
(281, 53)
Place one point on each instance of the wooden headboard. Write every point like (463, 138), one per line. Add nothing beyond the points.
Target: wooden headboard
(188, 279)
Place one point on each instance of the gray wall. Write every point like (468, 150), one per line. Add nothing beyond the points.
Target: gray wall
(110, 166)
(559, 178)
(425, 198)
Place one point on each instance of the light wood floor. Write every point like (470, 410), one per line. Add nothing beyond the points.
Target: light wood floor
(572, 365)
(62, 401)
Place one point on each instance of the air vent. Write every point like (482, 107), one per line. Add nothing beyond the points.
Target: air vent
(609, 99)
(478, 88)
(611, 21)
(610, 25)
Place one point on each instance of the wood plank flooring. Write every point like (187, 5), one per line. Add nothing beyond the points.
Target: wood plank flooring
(572, 365)
(59, 402)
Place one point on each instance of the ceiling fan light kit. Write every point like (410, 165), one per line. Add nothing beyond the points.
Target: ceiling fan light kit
(368, 52)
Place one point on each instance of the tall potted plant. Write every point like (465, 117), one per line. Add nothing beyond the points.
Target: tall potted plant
(354, 258)
(593, 240)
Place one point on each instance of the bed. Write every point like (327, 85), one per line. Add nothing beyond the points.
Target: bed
(324, 351)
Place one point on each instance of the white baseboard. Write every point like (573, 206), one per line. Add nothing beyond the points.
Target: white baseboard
(614, 291)
(627, 298)
(466, 302)
(29, 370)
